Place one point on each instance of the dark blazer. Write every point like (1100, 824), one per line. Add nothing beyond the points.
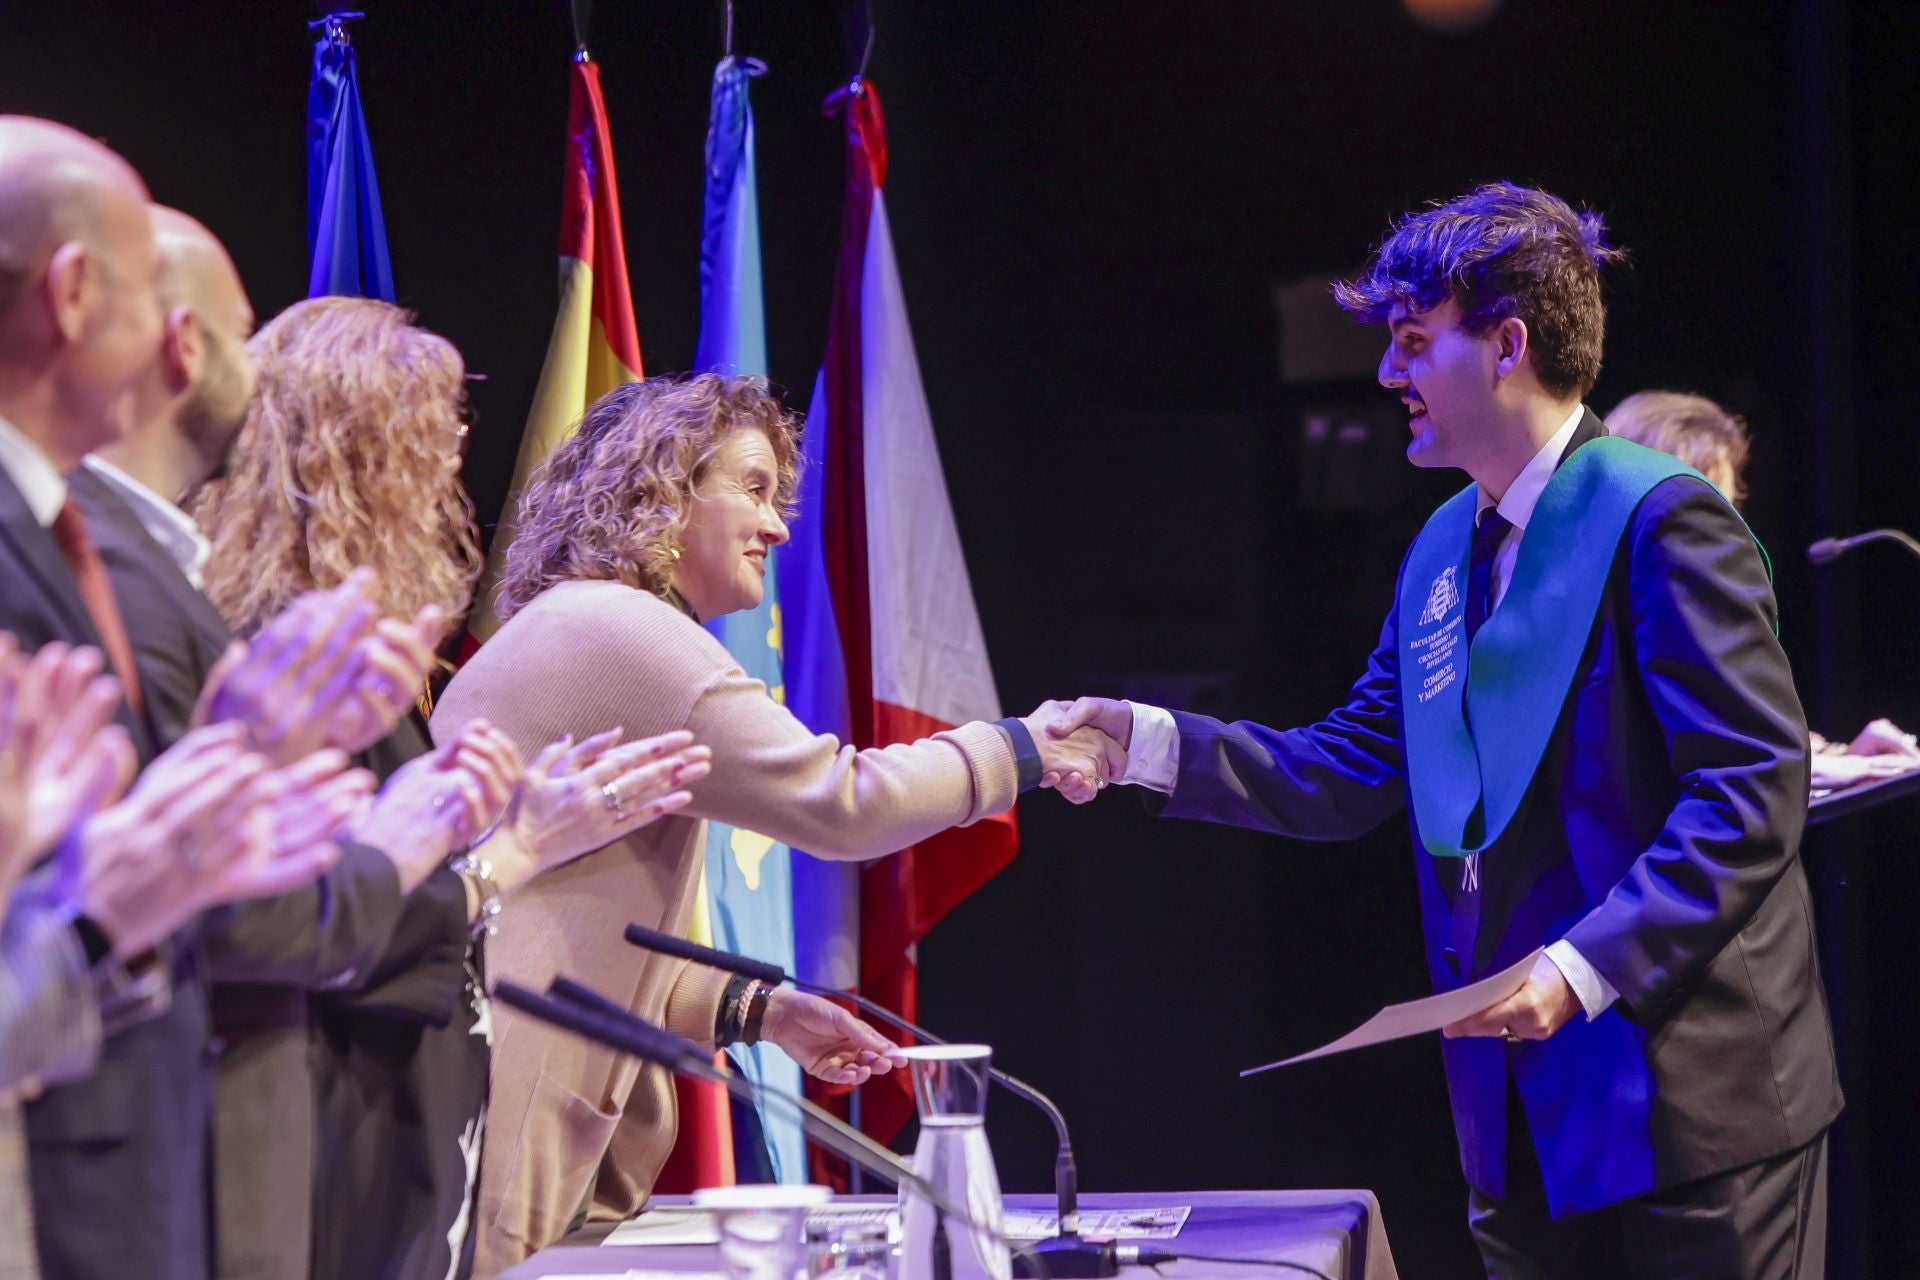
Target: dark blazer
(352, 1056)
(1660, 836)
(117, 1159)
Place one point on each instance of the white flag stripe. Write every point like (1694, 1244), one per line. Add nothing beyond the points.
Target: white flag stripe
(929, 653)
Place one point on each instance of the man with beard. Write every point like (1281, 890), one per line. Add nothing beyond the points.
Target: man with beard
(264, 956)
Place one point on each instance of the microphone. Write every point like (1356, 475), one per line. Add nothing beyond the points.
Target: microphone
(589, 1014)
(1828, 549)
(1068, 1257)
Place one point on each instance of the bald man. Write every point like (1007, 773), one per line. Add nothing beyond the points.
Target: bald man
(264, 956)
(118, 1159)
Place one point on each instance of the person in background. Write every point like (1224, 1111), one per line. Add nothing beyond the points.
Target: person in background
(345, 470)
(1716, 443)
(657, 516)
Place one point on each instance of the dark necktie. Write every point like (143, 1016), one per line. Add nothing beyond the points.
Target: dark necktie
(69, 529)
(1486, 544)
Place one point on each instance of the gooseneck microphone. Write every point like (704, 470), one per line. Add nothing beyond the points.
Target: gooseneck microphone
(1828, 549)
(590, 1015)
(1068, 1257)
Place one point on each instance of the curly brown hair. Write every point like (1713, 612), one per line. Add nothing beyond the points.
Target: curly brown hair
(613, 500)
(349, 458)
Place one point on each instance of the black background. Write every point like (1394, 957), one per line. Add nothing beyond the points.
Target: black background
(1092, 203)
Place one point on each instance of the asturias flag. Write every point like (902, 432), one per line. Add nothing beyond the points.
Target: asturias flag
(749, 879)
(346, 237)
(883, 641)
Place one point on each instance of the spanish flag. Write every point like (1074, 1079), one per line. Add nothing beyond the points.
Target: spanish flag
(595, 346)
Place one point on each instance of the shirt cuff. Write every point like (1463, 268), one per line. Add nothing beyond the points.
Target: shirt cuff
(1026, 755)
(1153, 753)
(1596, 994)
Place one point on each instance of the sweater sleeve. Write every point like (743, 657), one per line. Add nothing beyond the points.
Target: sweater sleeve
(774, 776)
(590, 656)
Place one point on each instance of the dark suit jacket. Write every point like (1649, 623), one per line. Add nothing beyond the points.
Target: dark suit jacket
(117, 1159)
(263, 956)
(381, 1091)
(1660, 836)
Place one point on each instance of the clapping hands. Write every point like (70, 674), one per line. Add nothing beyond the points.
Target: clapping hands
(326, 671)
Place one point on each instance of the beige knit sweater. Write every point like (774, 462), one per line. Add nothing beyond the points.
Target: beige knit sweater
(566, 1118)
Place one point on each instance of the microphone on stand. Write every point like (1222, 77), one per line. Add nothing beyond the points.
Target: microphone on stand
(1828, 549)
(1067, 1256)
(592, 1016)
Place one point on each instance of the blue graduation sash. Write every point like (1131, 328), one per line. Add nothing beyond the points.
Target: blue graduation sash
(1510, 685)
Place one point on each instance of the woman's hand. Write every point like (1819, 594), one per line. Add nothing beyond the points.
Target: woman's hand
(578, 797)
(826, 1040)
(440, 802)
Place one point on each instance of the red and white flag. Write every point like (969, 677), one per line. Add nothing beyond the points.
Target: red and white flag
(883, 640)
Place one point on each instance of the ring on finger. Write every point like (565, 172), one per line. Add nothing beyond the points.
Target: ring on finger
(1506, 1033)
(615, 804)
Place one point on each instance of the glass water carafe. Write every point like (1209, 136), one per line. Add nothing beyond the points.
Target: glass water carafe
(950, 1093)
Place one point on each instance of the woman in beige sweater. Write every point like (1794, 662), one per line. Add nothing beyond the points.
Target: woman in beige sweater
(657, 515)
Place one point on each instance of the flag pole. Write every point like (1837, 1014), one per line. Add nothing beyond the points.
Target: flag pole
(582, 16)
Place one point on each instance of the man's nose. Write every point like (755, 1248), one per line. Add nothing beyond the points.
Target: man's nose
(1392, 376)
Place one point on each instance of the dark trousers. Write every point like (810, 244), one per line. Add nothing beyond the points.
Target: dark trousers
(1765, 1221)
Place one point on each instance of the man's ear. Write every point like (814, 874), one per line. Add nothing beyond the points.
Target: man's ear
(183, 347)
(72, 285)
(1511, 343)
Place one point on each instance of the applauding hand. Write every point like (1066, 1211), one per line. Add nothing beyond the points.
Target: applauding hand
(578, 797)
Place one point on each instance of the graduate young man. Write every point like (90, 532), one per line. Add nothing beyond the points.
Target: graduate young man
(1580, 694)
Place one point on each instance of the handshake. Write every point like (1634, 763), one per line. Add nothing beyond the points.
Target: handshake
(1083, 744)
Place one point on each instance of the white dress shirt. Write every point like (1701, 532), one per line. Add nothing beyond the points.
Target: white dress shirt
(33, 474)
(1153, 755)
(164, 522)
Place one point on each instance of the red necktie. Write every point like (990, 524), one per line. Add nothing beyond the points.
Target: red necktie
(90, 575)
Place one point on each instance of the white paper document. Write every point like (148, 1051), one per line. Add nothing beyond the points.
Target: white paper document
(678, 1226)
(1398, 1021)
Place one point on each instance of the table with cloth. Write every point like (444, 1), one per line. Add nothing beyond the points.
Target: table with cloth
(1339, 1233)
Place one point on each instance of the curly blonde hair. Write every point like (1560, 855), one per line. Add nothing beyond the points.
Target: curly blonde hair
(613, 500)
(348, 458)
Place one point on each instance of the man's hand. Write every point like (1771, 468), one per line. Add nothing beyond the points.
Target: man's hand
(1101, 725)
(61, 758)
(826, 1040)
(1544, 1005)
(284, 685)
(391, 665)
(320, 795)
(578, 797)
(196, 831)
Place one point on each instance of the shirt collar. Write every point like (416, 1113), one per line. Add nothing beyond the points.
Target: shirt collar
(1524, 493)
(164, 522)
(33, 473)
